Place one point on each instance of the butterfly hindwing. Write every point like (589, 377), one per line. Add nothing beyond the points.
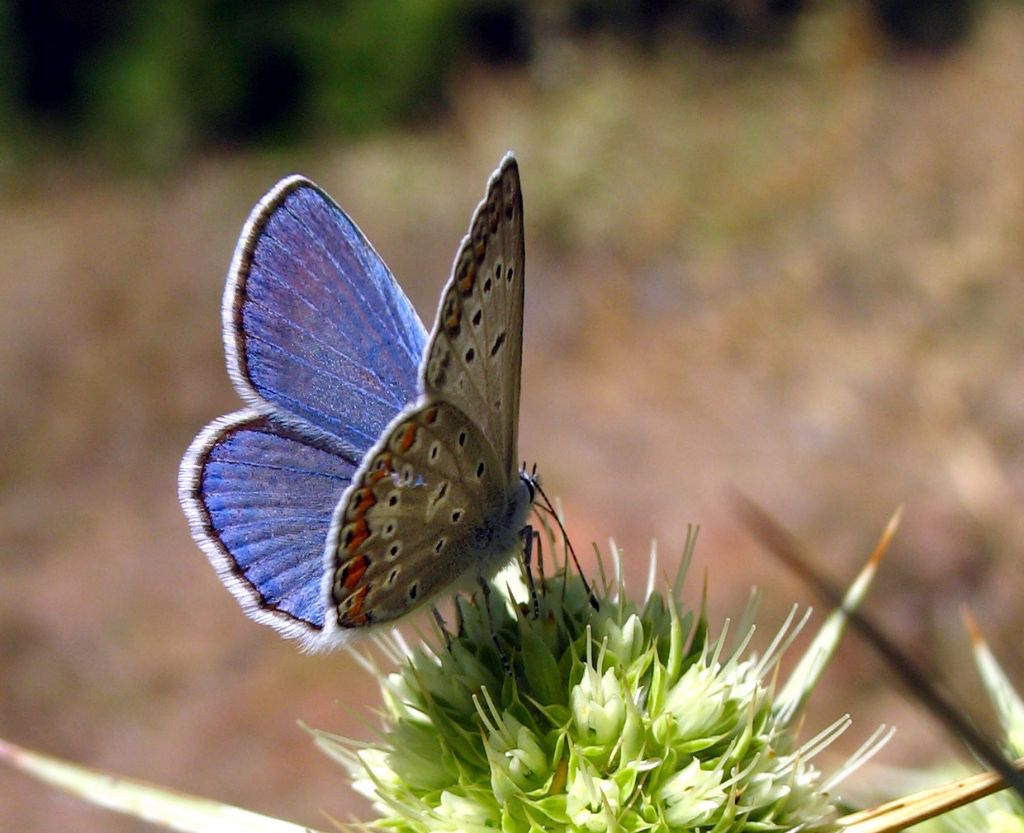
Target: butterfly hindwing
(475, 352)
(259, 499)
(417, 516)
(316, 328)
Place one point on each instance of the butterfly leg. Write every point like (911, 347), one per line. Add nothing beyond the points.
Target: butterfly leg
(439, 621)
(485, 588)
(528, 536)
(539, 539)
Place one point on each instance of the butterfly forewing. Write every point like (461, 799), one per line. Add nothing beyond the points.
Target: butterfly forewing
(417, 516)
(474, 356)
(316, 328)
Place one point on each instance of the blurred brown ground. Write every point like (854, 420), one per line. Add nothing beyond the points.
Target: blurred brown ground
(799, 275)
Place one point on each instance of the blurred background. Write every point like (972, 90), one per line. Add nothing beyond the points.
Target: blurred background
(772, 245)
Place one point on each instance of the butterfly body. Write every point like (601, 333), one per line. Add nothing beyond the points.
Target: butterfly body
(375, 466)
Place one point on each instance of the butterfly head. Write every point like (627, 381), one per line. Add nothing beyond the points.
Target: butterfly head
(531, 480)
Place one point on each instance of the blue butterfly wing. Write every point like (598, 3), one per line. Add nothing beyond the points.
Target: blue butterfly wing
(259, 497)
(325, 347)
(316, 329)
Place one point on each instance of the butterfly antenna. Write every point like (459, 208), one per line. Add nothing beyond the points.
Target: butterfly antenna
(785, 547)
(568, 542)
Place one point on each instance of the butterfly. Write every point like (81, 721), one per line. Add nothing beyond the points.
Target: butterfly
(373, 467)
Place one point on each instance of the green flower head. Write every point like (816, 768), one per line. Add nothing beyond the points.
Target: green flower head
(556, 707)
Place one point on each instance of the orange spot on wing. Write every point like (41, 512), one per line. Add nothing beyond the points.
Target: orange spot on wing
(430, 416)
(364, 502)
(359, 533)
(408, 438)
(354, 616)
(354, 571)
(452, 321)
(384, 468)
(468, 280)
